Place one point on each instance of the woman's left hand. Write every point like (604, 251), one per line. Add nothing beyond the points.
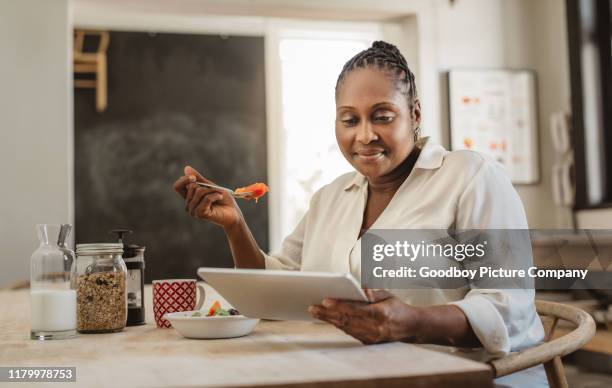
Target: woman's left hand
(386, 318)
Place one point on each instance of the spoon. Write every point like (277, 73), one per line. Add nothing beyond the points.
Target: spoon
(230, 191)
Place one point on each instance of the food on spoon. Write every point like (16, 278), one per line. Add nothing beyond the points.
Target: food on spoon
(256, 190)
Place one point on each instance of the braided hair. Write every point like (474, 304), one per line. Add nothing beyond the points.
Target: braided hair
(384, 56)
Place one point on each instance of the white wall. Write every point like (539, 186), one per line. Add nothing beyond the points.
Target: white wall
(549, 50)
(514, 34)
(36, 150)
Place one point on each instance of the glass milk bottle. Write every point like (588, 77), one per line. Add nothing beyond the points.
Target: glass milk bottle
(53, 300)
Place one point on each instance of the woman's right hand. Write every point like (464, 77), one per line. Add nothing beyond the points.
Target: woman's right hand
(216, 206)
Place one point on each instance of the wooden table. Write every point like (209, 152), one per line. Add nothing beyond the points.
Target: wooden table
(276, 354)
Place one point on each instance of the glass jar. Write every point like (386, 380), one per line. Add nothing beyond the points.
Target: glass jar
(52, 300)
(100, 278)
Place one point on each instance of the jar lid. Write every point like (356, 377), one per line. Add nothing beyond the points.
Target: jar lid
(101, 248)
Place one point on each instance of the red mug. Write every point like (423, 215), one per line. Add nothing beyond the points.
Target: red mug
(174, 295)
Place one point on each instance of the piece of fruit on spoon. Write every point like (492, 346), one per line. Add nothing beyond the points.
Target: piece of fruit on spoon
(256, 190)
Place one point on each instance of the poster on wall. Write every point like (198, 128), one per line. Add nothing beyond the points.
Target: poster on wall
(494, 112)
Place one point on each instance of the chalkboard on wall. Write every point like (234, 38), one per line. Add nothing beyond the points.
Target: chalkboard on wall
(173, 99)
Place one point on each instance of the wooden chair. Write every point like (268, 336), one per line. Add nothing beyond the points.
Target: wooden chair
(20, 285)
(25, 284)
(92, 63)
(550, 352)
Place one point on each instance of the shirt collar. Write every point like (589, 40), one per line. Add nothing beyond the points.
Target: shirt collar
(432, 154)
(358, 180)
(430, 158)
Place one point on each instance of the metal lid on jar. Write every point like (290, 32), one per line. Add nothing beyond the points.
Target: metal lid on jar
(101, 248)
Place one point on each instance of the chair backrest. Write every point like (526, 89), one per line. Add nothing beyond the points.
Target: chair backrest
(19, 285)
(24, 284)
(572, 341)
(79, 40)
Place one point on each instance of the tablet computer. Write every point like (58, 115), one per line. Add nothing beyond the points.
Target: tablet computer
(278, 294)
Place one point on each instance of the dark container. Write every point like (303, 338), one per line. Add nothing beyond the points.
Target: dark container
(133, 255)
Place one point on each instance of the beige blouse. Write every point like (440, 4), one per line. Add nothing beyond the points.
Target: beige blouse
(460, 189)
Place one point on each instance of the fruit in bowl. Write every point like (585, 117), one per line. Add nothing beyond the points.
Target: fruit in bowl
(217, 323)
(216, 310)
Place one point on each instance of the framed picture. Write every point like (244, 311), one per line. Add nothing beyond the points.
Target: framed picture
(494, 112)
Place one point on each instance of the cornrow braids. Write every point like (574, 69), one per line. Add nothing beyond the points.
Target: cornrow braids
(384, 56)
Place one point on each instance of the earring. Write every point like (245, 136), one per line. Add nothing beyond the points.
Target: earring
(417, 134)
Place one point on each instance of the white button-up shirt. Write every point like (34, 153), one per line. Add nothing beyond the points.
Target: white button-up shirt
(460, 189)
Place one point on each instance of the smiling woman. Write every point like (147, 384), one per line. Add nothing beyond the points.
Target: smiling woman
(363, 129)
(401, 181)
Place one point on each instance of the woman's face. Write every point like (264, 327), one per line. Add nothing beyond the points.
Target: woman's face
(374, 122)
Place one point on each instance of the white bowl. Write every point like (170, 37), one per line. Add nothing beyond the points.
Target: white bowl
(211, 327)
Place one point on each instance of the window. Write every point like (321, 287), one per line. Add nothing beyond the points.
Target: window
(309, 157)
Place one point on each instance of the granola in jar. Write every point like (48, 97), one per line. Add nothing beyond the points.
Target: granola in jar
(101, 288)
